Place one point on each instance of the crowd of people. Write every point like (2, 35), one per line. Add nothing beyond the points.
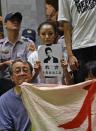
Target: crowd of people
(75, 30)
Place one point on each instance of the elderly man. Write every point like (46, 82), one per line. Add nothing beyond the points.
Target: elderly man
(11, 48)
(13, 115)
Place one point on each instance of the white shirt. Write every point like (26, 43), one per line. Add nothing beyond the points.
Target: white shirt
(82, 17)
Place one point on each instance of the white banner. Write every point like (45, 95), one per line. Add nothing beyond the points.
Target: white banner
(60, 107)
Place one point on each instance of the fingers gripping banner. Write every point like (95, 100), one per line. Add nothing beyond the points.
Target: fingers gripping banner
(60, 107)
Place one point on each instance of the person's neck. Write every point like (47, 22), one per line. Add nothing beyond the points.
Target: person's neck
(13, 37)
(49, 44)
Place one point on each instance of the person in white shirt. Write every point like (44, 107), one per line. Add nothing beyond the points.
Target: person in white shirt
(79, 19)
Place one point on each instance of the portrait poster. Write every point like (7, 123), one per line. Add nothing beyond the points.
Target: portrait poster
(50, 57)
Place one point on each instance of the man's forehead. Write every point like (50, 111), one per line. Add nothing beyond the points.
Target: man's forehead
(20, 64)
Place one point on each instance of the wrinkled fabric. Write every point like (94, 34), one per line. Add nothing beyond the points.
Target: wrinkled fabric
(54, 107)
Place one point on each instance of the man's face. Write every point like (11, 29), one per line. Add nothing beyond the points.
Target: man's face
(51, 13)
(49, 53)
(13, 24)
(21, 73)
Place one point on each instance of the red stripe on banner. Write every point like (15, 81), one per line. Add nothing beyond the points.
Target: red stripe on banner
(84, 112)
(89, 119)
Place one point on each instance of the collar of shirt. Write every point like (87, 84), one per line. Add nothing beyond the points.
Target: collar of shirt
(6, 41)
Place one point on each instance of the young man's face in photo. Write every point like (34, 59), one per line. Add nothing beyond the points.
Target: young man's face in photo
(49, 53)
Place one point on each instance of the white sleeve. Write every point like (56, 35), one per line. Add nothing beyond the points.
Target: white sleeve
(30, 60)
(33, 57)
(64, 13)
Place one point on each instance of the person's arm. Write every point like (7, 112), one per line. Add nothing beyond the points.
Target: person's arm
(68, 41)
(68, 79)
(5, 119)
(38, 71)
(2, 64)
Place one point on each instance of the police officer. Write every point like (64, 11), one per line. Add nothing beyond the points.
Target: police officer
(11, 48)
